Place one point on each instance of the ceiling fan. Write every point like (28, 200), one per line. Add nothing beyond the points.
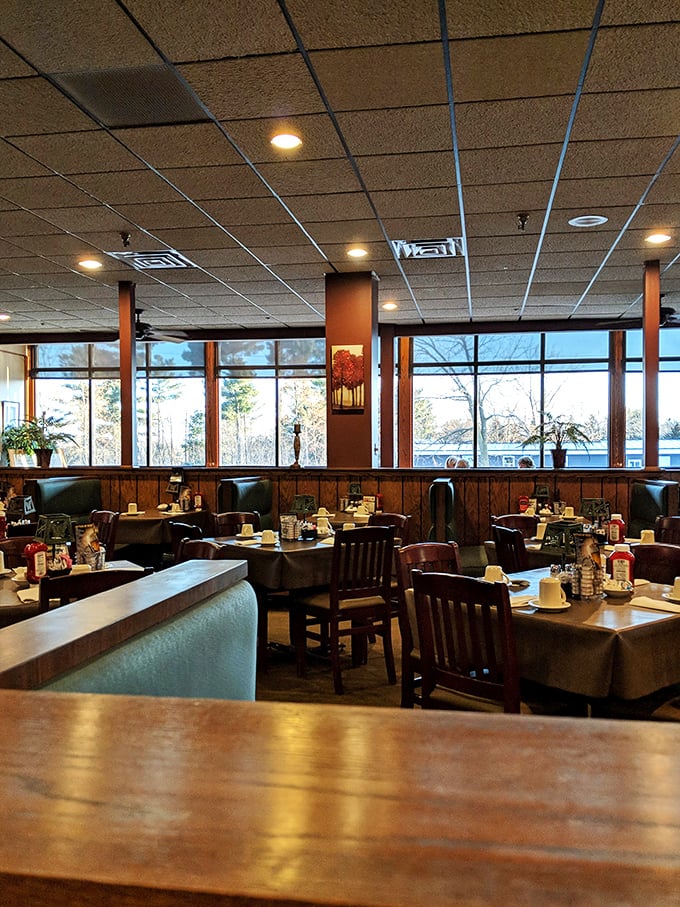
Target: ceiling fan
(145, 332)
(668, 318)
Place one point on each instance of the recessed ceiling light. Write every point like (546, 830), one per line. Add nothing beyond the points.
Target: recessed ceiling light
(357, 252)
(286, 140)
(389, 306)
(4, 316)
(588, 220)
(657, 238)
(90, 263)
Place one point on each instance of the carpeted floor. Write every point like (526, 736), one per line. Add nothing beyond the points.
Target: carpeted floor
(365, 685)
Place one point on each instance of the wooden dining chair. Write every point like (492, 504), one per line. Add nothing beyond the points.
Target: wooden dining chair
(400, 521)
(76, 586)
(524, 522)
(200, 550)
(659, 563)
(106, 524)
(440, 557)
(180, 531)
(511, 552)
(468, 657)
(357, 603)
(667, 529)
(230, 522)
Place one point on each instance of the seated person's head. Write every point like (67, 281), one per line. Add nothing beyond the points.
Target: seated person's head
(525, 463)
(462, 464)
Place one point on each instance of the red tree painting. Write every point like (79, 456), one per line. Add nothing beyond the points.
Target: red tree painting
(347, 378)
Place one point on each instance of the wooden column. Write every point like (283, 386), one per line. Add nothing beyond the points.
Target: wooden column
(617, 400)
(352, 325)
(387, 397)
(405, 402)
(651, 314)
(212, 407)
(128, 373)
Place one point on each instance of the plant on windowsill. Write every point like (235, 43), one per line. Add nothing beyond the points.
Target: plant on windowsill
(39, 436)
(557, 431)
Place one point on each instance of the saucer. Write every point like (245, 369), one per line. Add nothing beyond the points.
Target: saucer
(6, 571)
(670, 598)
(563, 606)
(240, 535)
(269, 544)
(617, 593)
(136, 513)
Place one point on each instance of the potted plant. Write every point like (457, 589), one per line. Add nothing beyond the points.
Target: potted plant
(557, 431)
(39, 435)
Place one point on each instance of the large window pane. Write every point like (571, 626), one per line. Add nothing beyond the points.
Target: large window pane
(303, 401)
(175, 419)
(581, 397)
(248, 422)
(633, 449)
(507, 408)
(443, 427)
(68, 399)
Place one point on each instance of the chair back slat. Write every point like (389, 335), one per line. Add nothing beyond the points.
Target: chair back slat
(659, 563)
(667, 530)
(524, 522)
(231, 521)
(362, 561)
(466, 638)
(106, 524)
(200, 550)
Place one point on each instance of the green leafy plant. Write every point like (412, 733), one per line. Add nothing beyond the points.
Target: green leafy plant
(556, 431)
(40, 433)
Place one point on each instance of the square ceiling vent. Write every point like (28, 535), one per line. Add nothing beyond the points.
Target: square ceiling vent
(451, 247)
(152, 261)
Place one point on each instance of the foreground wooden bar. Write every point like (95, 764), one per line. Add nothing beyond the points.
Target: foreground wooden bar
(110, 800)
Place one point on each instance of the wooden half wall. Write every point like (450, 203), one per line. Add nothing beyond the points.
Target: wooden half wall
(479, 493)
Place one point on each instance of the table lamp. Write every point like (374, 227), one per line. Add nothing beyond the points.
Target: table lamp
(54, 529)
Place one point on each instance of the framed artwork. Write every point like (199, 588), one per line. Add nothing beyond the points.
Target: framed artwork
(10, 413)
(348, 386)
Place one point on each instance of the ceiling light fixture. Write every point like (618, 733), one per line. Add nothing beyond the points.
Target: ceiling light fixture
(357, 252)
(286, 140)
(588, 220)
(90, 263)
(657, 238)
(389, 306)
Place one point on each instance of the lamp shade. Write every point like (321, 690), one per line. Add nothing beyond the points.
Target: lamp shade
(54, 528)
(19, 507)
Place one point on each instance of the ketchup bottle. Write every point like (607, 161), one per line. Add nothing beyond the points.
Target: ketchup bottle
(616, 530)
(622, 564)
(35, 554)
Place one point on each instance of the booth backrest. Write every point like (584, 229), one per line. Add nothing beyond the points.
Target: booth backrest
(650, 498)
(75, 495)
(247, 493)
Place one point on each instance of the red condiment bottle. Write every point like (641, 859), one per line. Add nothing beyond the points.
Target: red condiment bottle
(622, 564)
(35, 554)
(616, 530)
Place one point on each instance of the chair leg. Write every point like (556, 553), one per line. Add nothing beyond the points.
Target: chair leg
(389, 651)
(299, 638)
(407, 688)
(335, 657)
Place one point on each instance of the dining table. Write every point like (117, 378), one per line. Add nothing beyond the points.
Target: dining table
(19, 599)
(145, 535)
(286, 566)
(623, 646)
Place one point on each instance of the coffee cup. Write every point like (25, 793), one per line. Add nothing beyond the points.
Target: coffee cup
(568, 513)
(323, 512)
(348, 526)
(550, 592)
(540, 530)
(268, 536)
(530, 511)
(132, 508)
(2, 561)
(647, 537)
(676, 588)
(175, 508)
(323, 526)
(494, 574)
(247, 529)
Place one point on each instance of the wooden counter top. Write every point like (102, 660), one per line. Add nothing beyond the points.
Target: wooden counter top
(45, 646)
(109, 800)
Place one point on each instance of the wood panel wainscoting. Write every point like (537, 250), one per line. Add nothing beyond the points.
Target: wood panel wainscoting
(479, 493)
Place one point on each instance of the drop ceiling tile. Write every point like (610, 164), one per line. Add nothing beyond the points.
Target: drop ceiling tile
(627, 114)
(78, 152)
(351, 23)
(43, 192)
(402, 130)
(310, 177)
(170, 215)
(254, 87)
(240, 211)
(30, 106)
(650, 56)
(342, 206)
(235, 181)
(128, 187)
(469, 19)
(320, 140)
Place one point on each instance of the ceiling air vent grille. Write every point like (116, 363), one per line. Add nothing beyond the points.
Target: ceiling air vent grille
(151, 261)
(451, 247)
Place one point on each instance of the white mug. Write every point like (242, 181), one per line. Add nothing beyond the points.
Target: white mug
(540, 530)
(494, 574)
(348, 525)
(268, 536)
(568, 513)
(530, 511)
(175, 508)
(132, 508)
(322, 511)
(676, 587)
(322, 525)
(247, 529)
(550, 592)
(647, 537)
